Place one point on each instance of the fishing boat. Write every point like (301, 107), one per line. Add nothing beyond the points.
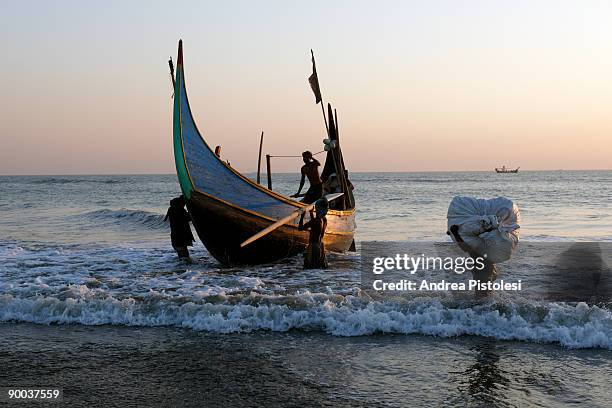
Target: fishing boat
(503, 169)
(227, 208)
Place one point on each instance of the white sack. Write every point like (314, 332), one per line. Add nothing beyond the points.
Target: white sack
(489, 227)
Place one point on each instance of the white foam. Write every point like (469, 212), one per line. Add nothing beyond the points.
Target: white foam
(574, 326)
(145, 286)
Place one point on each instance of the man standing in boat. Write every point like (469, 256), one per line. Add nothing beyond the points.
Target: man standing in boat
(310, 170)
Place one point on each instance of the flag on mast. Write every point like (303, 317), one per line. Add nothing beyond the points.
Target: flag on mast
(314, 80)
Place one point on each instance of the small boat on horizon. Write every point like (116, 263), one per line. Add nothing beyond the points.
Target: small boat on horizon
(503, 169)
(228, 208)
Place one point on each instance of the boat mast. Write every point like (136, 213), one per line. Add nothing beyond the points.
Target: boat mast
(332, 130)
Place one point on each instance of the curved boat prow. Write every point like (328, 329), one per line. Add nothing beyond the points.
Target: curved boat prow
(179, 152)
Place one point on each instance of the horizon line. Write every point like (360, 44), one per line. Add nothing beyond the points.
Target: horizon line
(284, 172)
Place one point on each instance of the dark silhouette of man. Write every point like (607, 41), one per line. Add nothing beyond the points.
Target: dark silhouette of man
(314, 258)
(310, 170)
(486, 274)
(180, 232)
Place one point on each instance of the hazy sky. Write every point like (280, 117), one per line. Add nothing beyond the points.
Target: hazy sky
(419, 85)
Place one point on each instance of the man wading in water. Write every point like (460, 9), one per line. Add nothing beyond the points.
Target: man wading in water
(310, 170)
(315, 253)
(180, 232)
(486, 274)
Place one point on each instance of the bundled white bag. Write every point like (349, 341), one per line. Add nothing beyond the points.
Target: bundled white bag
(489, 227)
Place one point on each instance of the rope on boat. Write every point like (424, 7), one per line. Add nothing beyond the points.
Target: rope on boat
(314, 154)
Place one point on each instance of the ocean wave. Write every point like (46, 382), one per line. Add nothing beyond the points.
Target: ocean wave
(61, 180)
(450, 180)
(139, 217)
(573, 326)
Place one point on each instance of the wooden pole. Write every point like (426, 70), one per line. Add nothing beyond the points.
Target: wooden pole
(269, 171)
(325, 118)
(342, 177)
(339, 174)
(283, 221)
(259, 159)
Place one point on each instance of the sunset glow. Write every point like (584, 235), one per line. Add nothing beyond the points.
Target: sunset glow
(424, 86)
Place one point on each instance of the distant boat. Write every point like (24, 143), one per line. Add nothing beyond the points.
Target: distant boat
(227, 208)
(503, 169)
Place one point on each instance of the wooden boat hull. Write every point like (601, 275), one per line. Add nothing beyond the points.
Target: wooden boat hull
(227, 208)
(222, 228)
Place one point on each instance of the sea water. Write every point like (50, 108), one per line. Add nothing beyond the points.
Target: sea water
(94, 251)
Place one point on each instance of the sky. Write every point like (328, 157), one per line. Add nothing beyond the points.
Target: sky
(418, 85)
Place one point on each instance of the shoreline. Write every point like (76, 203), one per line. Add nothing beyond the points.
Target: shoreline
(164, 366)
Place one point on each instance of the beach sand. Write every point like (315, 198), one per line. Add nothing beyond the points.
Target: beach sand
(142, 366)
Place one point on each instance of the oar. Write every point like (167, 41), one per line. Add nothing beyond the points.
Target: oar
(285, 220)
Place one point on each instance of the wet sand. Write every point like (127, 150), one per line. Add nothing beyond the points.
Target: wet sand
(133, 366)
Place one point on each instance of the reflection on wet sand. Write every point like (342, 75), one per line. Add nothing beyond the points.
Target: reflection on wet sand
(484, 382)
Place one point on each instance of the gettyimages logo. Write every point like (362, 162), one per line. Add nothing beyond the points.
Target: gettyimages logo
(412, 264)
(392, 267)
